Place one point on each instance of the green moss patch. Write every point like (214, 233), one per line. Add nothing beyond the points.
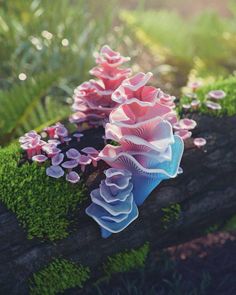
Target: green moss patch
(40, 203)
(171, 214)
(228, 104)
(127, 260)
(58, 276)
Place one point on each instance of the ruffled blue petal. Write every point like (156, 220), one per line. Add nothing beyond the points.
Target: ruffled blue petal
(145, 183)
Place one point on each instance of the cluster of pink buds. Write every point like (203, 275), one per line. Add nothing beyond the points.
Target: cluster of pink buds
(92, 99)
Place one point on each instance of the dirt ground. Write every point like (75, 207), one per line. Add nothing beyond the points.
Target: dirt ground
(186, 8)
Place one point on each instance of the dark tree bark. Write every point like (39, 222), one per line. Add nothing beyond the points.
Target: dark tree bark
(206, 193)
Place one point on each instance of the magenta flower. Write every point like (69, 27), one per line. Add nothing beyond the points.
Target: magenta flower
(55, 171)
(73, 177)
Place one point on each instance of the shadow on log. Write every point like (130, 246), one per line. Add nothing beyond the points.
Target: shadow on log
(206, 192)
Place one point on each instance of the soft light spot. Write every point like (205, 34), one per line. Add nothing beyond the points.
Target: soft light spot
(22, 76)
(47, 35)
(65, 42)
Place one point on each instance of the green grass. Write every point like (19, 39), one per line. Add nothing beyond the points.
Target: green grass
(228, 103)
(58, 276)
(127, 260)
(40, 203)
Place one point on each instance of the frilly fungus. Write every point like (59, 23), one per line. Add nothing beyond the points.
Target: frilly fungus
(92, 99)
(113, 206)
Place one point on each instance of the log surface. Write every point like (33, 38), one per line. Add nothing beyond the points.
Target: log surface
(206, 192)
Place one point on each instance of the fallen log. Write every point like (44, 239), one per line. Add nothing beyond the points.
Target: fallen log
(204, 195)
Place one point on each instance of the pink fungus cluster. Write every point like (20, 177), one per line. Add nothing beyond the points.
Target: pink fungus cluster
(92, 99)
(63, 159)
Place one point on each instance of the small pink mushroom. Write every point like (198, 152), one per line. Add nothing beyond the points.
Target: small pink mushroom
(194, 85)
(55, 171)
(39, 158)
(187, 124)
(61, 131)
(70, 164)
(67, 139)
(57, 159)
(186, 106)
(213, 105)
(72, 154)
(184, 134)
(78, 136)
(83, 161)
(216, 94)
(73, 177)
(51, 131)
(195, 104)
(199, 142)
(92, 154)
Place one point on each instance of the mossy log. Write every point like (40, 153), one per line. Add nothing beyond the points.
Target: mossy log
(177, 210)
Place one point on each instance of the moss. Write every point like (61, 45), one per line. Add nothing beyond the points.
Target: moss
(228, 103)
(127, 260)
(230, 224)
(211, 229)
(171, 214)
(40, 203)
(58, 276)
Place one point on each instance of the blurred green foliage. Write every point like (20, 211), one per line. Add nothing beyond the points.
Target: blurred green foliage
(38, 201)
(38, 38)
(58, 276)
(208, 37)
